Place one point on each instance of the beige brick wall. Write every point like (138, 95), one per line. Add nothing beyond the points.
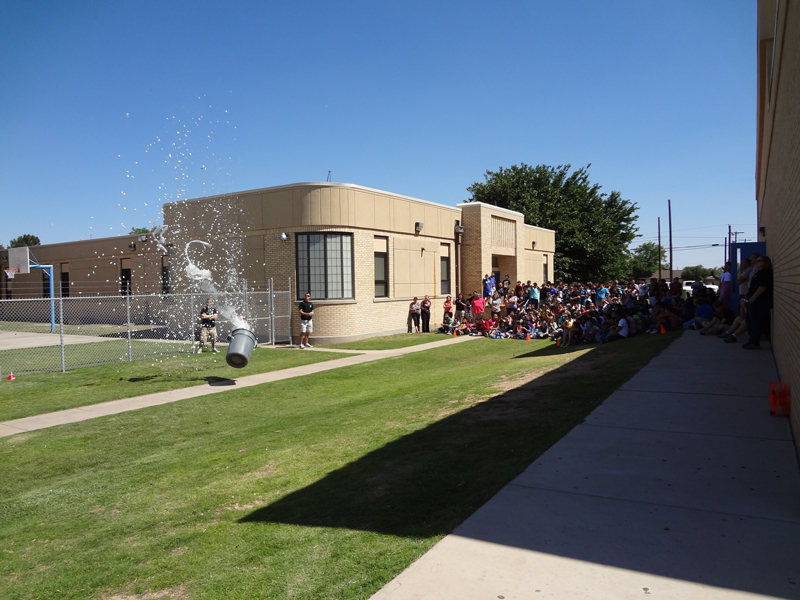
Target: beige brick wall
(779, 189)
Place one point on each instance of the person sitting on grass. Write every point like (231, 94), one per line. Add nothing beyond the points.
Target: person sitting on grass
(621, 330)
(703, 312)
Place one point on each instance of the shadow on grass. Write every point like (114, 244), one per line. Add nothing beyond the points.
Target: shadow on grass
(429, 481)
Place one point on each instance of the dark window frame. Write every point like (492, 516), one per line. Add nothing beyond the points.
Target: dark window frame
(305, 285)
(384, 256)
(444, 276)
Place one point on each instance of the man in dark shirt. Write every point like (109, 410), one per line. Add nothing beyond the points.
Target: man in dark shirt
(306, 321)
(208, 326)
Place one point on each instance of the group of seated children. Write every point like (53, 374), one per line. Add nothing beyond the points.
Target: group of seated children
(569, 319)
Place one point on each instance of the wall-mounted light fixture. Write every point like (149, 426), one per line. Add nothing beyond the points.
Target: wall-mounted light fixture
(284, 237)
(459, 229)
(132, 245)
(418, 226)
(762, 231)
(143, 238)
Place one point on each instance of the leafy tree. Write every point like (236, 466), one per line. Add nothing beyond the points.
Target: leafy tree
(644, 260)
(692, 273)
(24, 240)
(139, 230)
(593, 229)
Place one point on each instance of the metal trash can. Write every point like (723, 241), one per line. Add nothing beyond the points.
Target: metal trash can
(242, 342)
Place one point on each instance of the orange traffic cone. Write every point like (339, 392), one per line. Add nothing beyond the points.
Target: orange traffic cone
(558, 342)
(455, 333)
(527, 337)
(11, 377)
(663, 330)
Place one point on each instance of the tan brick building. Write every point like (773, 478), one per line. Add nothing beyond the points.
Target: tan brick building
(778, 179)
(363, 253)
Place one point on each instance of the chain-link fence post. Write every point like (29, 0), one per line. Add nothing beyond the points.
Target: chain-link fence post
(61, 332)
(244, 299)
(271, 307)
(128, 313)
(190, 320)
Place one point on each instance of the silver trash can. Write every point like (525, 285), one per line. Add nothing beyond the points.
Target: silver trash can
(241, 345)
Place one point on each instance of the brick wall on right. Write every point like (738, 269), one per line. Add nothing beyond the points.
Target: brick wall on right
(778, 191)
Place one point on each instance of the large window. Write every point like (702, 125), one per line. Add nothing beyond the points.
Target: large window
(445, 279)
(325, 265)
(381, 267)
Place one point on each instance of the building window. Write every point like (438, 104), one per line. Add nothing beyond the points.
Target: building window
(381, 251)
(545, 274)
(325, 265)
(125, 277)
(64, 283)
(166, 284)
(444, 262)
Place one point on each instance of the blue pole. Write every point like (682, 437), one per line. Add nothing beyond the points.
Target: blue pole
(49, 269)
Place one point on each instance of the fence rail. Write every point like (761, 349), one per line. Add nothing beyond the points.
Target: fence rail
(40, 335)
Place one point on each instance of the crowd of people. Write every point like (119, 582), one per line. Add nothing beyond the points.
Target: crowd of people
(571, 314)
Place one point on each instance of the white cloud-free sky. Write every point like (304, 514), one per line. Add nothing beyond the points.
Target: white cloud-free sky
(100, 100)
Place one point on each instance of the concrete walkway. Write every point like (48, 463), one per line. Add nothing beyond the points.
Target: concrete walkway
(681, 485)
(83, 413)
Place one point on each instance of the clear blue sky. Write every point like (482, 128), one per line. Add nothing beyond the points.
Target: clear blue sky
(417, 98)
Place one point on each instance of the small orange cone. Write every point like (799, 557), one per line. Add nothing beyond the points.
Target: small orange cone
(11, 377)
(455, 333)
(774, 399)
(558, 342)
(663, 330)
(527, 337)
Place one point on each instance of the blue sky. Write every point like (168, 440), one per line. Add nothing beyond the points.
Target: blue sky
(100, 100)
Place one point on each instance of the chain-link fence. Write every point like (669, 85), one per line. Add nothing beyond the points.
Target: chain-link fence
(41, 335)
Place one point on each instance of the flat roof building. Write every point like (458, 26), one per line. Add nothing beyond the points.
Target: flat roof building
(362, 253)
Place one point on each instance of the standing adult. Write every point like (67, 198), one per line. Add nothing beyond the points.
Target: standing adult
(448, 308)
(208, 326)
(425, 310)
(533, 295)
(414, 310)
(306, 309)
(488, 286)
(726, 285)
(461, 307)
(759, 303)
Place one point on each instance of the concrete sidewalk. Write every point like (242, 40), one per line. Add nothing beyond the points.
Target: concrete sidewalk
(103, 409)
(680, 485)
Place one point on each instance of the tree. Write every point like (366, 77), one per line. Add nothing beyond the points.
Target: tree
(644, 260)
(692, 273)
(139, 230)
(24, 240)
(593, 230)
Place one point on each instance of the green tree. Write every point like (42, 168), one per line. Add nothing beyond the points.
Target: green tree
(24, 240)
(139, 230)
(644, 260)
(692, 273)
(593, 229)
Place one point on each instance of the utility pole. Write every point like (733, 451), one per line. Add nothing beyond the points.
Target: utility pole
(669, 209)
(659, 248)
(726, 256)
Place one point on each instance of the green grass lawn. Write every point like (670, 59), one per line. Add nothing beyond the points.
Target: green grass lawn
(390, 342)
(47, 392)
(325, 486)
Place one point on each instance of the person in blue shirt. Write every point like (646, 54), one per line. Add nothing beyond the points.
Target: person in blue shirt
(602, 293)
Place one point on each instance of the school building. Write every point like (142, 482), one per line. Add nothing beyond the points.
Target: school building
(362, 253)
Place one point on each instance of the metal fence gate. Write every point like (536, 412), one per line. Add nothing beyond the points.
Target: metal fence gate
(39, 335)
